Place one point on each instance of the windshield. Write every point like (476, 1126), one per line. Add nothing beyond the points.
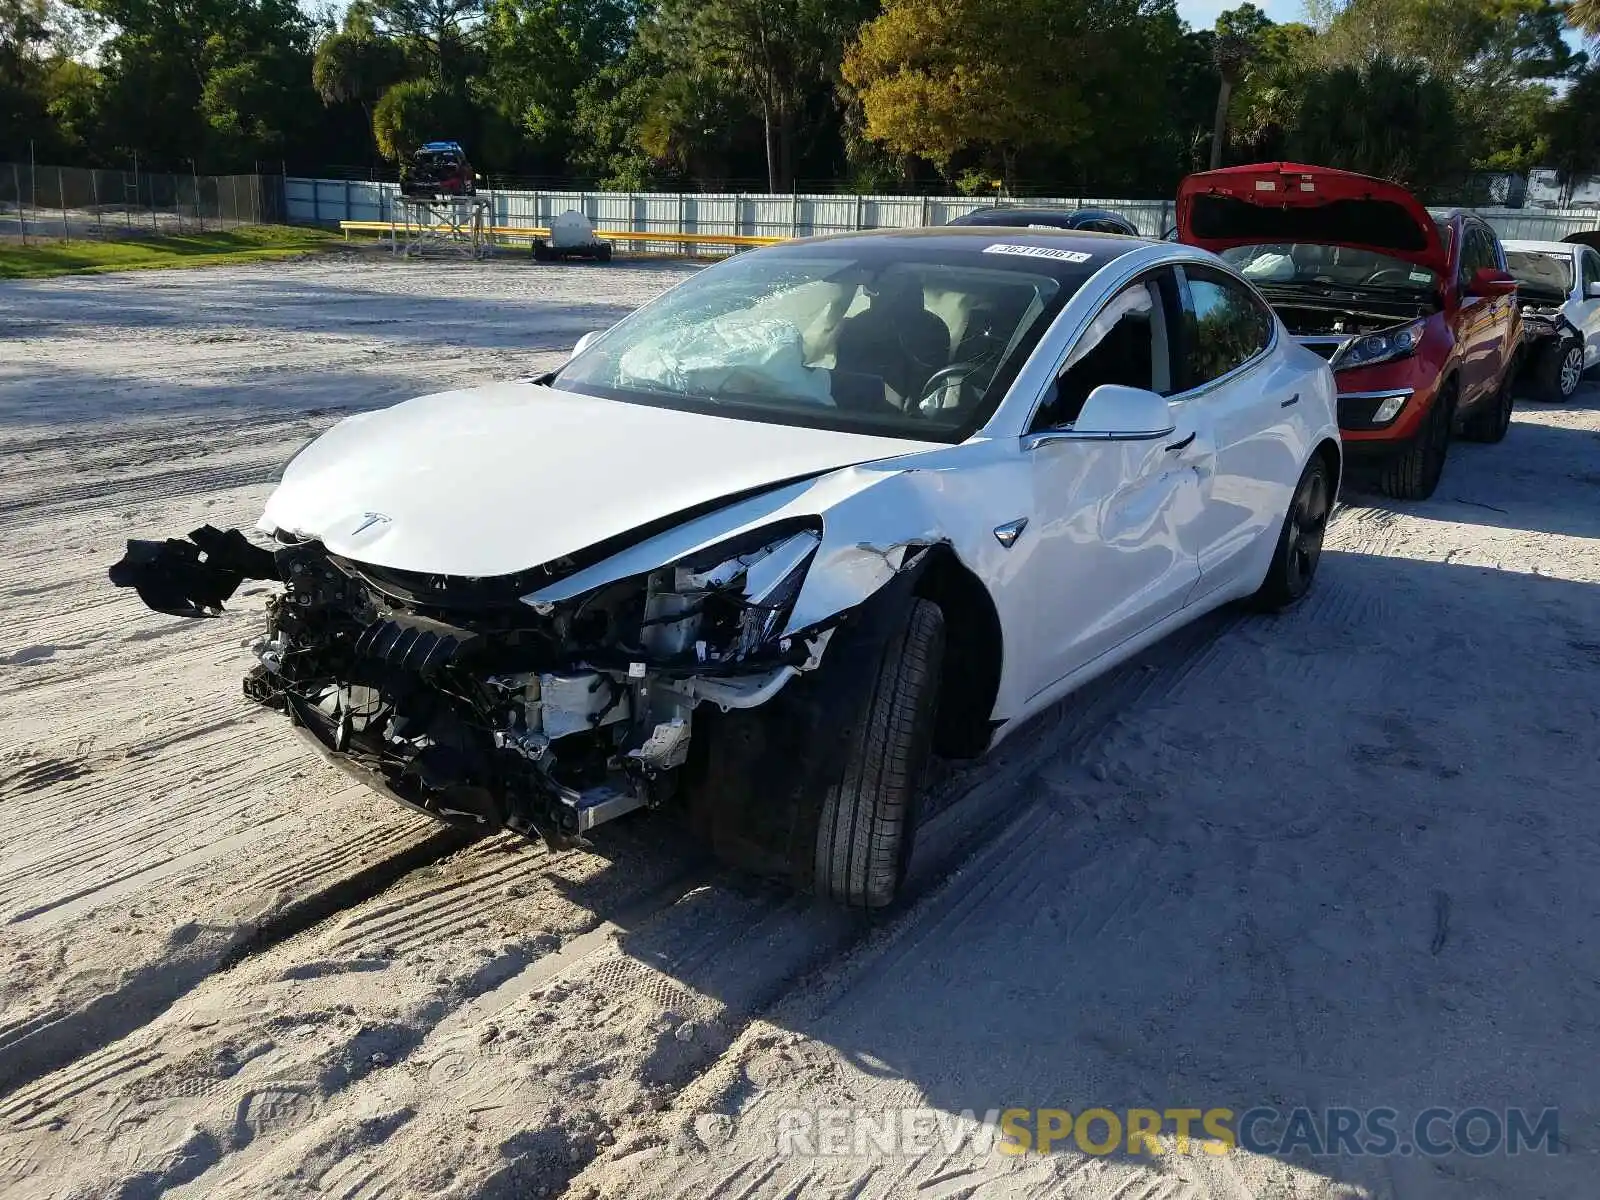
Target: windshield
(888, 337)
(1314, 264)
(1552, 272)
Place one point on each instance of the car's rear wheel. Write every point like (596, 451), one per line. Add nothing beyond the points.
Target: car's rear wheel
(1493, 418)
(1414, 474)
(1294, 564)
(868, 815)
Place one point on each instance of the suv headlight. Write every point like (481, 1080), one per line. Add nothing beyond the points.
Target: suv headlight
(1383, 346)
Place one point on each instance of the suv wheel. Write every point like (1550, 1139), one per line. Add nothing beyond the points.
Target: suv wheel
(1415, 474)
(1493, 418)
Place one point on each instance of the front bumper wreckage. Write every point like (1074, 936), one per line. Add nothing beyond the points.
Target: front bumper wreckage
(479, 705)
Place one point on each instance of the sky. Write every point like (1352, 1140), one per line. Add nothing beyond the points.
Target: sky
(1202, 14)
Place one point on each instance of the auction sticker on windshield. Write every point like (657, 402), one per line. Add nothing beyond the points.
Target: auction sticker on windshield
(1072, 256)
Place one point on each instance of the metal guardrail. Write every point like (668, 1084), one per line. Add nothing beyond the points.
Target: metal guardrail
(697, 217)
(395, 229)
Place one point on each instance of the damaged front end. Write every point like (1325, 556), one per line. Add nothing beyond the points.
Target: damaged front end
(471, 699)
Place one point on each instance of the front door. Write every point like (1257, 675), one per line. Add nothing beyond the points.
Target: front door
(1114, 519)
(1589, 306)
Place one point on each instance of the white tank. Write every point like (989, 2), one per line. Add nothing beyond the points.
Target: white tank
(571, 228)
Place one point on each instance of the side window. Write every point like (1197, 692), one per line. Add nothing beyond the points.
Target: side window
(1126, 343)
(1591, 270)
(1225, 326)
(1477, 252)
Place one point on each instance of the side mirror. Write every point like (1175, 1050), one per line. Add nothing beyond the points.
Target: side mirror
(585, 342)
(1114, 413)
(1592, 290)
(1486, 281)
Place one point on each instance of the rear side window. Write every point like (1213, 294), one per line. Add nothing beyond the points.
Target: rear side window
(1591, 270)
(1477, 253)
(1225, 326)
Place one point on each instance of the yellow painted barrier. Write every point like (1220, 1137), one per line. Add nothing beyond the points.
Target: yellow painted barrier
(615, 235)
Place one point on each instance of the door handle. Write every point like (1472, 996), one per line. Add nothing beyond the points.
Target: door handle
(1183, 445)
(1294, 399)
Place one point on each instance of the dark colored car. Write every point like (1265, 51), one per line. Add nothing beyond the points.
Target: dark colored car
(1085, 220)
(438, 169)
(1417, 316)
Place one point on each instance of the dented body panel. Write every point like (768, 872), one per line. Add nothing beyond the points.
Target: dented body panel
(494, 480)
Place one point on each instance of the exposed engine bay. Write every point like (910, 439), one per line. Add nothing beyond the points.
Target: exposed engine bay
(1345, 319)
(475, 702)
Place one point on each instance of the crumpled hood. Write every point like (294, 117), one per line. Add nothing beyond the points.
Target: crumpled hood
(496, 480)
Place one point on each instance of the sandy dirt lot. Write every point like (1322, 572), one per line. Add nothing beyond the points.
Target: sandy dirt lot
(1340, 857)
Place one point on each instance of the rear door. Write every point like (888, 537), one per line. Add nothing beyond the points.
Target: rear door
(1244, 397)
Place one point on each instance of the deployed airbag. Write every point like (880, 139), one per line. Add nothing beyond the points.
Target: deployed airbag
(732, 356)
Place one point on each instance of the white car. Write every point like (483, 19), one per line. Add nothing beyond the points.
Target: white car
(1559, 287)
(814, 515)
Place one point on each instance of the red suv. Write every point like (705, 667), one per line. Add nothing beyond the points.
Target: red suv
(1417, 316)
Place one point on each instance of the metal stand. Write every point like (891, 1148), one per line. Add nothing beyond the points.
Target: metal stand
(456, 225)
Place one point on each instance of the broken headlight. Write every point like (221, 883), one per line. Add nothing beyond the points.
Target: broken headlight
(743, 588)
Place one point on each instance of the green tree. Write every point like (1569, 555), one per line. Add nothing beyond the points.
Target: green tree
(775, 52)
(441, 30)
(940, 78)
(355, 66)
(1384, 118)
(1231, 54)
(23, 38)
(411, 113)
(1572, 127)
(539, 54)
(216, 82)
(1491, 54)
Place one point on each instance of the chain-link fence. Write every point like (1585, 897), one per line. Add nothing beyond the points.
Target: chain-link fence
(56, 203)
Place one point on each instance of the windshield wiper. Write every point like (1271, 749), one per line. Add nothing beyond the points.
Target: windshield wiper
(1348, 290)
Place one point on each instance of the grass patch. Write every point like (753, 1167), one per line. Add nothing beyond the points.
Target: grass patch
(37, 260)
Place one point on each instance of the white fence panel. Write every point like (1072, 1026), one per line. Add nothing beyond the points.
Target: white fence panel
(328, 201)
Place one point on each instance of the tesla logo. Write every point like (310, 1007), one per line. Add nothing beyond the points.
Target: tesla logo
(368, 520)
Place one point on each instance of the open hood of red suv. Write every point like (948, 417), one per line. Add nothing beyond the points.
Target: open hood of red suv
(1289, 202)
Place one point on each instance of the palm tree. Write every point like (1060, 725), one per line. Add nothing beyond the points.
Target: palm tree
(1231, 53)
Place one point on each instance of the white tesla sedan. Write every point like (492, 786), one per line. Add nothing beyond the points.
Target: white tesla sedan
(760, 550)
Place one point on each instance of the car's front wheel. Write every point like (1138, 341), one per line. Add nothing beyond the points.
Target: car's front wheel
(1294, 564)
(1559, 370)
(1414, 474)
(869, 813)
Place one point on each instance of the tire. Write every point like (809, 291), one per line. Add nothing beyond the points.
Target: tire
(541, 252)
(604, 252)
(1559, 370)
(1415, 474)
(868, 816)
(1493, 418)
(1294, 563)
